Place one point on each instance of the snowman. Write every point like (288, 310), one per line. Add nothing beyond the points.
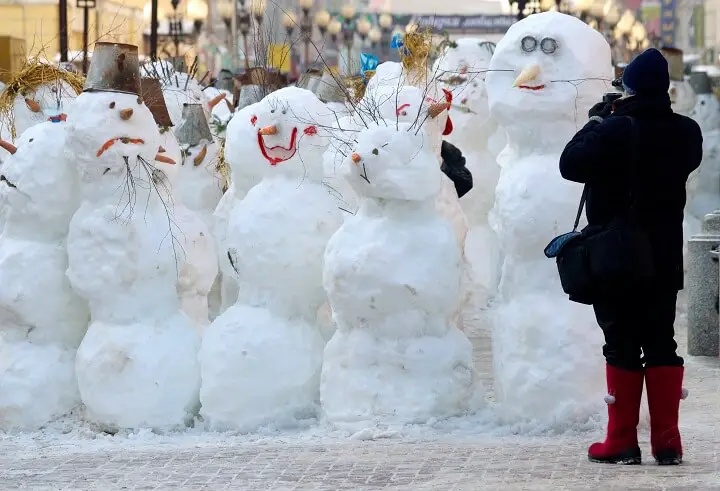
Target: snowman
(461, 69)
(546, 349)
(704, 184)
(33, 102)
(180, 88)
(395, 357)
(38, 345)
(682, 96)
(261, 359)
(197, 257)
(221, 111)
(137, 365)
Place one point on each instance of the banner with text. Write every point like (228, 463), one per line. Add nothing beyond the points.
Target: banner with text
(667, 22)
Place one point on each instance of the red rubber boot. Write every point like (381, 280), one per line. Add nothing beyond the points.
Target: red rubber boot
(623, 400)
(664, 390)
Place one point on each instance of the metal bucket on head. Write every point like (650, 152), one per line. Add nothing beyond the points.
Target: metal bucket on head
(194, 127)
(153, 98)
(676, 66)
(700, 83)
(114, 67)
(250, 94)
(330, 89)
(311, 80)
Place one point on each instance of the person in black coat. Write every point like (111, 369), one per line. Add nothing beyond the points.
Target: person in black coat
(637, 320)
(453, 165)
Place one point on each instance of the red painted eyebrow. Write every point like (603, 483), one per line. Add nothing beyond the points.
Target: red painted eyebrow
(399, 109)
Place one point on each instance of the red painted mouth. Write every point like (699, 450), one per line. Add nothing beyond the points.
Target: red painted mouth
(126, 140)
(278, 154)
(531, 87)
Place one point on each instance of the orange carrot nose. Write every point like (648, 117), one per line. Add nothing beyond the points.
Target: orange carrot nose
(126, 114)
(436, 108)
(268, 130)
(164, 159)
(356, 158)
(8, 146)
(32, 105)
(216, 100)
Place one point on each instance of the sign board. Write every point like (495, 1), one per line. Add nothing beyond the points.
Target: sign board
(279, 57)
(667, 22)
(496, 24)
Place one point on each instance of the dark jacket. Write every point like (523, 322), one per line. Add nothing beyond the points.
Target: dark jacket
(668, 148)
(453, 165)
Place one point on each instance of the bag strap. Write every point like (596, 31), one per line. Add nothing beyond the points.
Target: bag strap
(583, 197)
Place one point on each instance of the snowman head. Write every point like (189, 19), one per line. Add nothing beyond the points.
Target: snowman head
(38, 184)
(180, 89)
(291, 131)
(548, 67)
(682, 97)
(417, 107)
(706, 112)
(462, 69)
(116, 143)
(393, 162)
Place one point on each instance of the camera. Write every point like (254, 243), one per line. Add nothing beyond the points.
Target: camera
(618, 83)
(610, 97)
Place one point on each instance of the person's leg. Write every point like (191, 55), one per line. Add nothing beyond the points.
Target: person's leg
(624, 374)
(663, 377)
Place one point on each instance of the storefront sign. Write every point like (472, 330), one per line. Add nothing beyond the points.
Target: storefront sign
(667, 22)
(489, 24)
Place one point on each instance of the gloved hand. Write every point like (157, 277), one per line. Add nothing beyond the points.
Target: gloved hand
(602, 110)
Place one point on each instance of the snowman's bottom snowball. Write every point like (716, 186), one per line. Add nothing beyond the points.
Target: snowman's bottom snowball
(259, 369)
(140, 375)
(408, 380)
(37, 384)
(483, 255)
(547, 358)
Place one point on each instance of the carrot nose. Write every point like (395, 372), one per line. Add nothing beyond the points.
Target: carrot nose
(356, 158)
(216, 100)
(126, 114)
(8, 146)
(436, 108)
(268, 130)
(164, 159)
(32, 104)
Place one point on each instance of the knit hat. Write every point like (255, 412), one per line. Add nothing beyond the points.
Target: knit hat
(647, 73)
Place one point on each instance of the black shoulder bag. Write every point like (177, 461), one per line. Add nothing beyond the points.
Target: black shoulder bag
(603, 258)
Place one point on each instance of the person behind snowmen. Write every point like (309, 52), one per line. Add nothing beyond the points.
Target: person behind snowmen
(137, 365)
(540, 340)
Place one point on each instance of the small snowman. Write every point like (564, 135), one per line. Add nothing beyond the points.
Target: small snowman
(261, 359)
(137, 365)
(548, 365)
(704, 184)
(682, 96)
(395, 357)
(38, 92)
(38, 344)
(198, 258)
(221, 111)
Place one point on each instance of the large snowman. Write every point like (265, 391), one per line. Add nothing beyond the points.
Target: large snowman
(396, 357)
(704, 184)
(546, 350)
(462, 69)
(261, 359)
(137, 365)
(42, 320)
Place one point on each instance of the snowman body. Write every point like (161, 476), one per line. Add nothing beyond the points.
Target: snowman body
(261, 358)
(704, 184)
(395, 357)
(37, 345)
(137, 365)
(221, 111)
(198, 183)
(682, 97)
(546, 349)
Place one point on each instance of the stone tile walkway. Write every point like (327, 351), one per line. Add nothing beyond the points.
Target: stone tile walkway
(448, 463)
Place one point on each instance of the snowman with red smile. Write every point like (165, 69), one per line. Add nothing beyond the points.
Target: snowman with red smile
(261, 359)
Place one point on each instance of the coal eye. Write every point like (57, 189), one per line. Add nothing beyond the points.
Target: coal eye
(375, 151)
(272, 111)
(31, 140)
(529, 44)
(548, 46)
(139, 100)
(404, 113)
(702, 103)
(112, 105)
(284, 111)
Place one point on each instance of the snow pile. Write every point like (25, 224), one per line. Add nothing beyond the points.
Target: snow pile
(546, 350)
(137, 366)
(42, 321)
(261, 358)
(395, 356)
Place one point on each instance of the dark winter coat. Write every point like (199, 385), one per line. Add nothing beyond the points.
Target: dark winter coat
(453, 165)
(668, 148)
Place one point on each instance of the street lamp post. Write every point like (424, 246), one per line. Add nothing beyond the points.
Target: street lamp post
(348, 29)
(386, 24)
(86, 5)
(363, 27)
(322, 21)
(334, 28)
(175, 22)
(306, 28)
(375, 35)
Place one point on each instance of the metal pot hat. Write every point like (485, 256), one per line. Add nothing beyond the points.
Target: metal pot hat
(674, 57)
(250, 94)
(194, 127)
(114, 67)
(330, 89)
(310, 80)
(700, 83)
(153, 97)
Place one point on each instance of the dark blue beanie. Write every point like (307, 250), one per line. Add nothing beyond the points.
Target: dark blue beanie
(647, 73)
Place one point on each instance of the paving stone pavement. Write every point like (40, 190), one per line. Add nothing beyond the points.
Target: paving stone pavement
(445, 463)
